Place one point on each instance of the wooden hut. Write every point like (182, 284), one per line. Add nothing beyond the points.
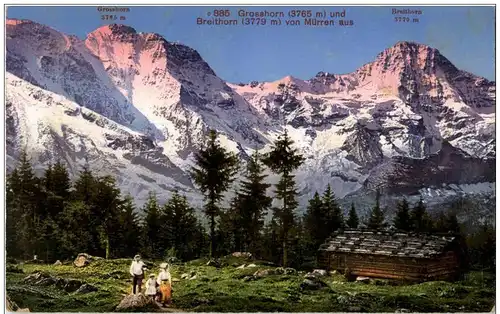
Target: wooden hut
(392, 255)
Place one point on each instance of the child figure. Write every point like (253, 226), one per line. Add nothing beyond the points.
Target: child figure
(151, 287)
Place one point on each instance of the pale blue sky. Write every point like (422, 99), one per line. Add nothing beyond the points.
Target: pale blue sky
(465, 35)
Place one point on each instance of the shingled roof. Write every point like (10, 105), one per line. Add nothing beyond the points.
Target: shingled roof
(390, 243)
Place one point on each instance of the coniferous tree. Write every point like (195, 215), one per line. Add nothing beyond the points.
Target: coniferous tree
(376, 218)
(106, 205)
(333, 216)
(130, 230)
(352, 220)
(272, 242)
(402, 219)
(27, 202)
(214, 172)
(13, 214)
(179, 226)
(252, 202)
(283, 160)
(420, 220)
(151, 228)
(74, 232)
(314, 222)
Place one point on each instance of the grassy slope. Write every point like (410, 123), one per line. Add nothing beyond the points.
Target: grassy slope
(224, 290)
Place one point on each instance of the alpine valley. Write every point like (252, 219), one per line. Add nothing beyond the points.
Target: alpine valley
(137, 106)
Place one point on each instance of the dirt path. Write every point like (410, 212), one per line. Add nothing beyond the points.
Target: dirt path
(169, 309)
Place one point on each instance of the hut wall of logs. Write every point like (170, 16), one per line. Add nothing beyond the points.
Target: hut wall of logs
(392, 255)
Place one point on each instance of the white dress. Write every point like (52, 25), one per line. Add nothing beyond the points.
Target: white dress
(151, 286)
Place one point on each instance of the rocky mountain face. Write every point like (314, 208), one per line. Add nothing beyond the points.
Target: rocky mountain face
(136, 106)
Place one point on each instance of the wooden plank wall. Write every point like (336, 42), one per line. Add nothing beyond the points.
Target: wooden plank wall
(391, 267)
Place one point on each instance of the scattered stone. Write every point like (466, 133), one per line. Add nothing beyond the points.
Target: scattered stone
(185, 276)
(362, 279)
(214, 263)
(36, 277)
(86, 288)
(45, 282)
(241, 266)
(290, 271)
(137, 303)
(61, 283)
(193, 278)
(334, 272)
(402, 311)
(72, 285)
(263, 273)
(248, 278)
(279, 271)
(242, 254)
(175, 280)
(58, 263)
(252, 266)
(309, 284)
(320, 272)
(13, 269)
(11, 306)
(83, 259)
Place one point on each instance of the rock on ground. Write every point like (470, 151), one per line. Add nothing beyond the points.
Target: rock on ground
(137, 302)
(84, 259)
(11, 306)
(86, 288)
(58, 263)
(320, 272)
(242, 254)
(362, 279)
(310, 284)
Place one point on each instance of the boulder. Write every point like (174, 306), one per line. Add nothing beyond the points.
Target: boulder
(263, 273)
(362, 279)
(242, 254)
(213, 263)
(320, 272)
(86, 288)
(58, 263)
(72, 285)
(45, 282)
(334, 272)
(36, 277)
(290, 271)
(185, 276)
(252, 265)
(309, 284)
(137, 303)
(193, 278)
(279, 271)
(402, 311)
(11, 306)
(82, 260)
(241, 266)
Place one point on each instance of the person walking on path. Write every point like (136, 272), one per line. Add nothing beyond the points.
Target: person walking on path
(165, 282)
(137, 271)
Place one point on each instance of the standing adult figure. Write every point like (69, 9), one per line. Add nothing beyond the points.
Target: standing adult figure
(165, 282)
(137, 271)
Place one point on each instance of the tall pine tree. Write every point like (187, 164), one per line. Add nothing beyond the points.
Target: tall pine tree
(333, 216)
(352, 220)
(283, 159)
(213, 174)
(253, 203)
(402, 219)
(420, 220)
(129, 229)
(376, 218)
(151, 239)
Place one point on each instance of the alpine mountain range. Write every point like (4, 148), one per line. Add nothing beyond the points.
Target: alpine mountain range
(137, 106)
